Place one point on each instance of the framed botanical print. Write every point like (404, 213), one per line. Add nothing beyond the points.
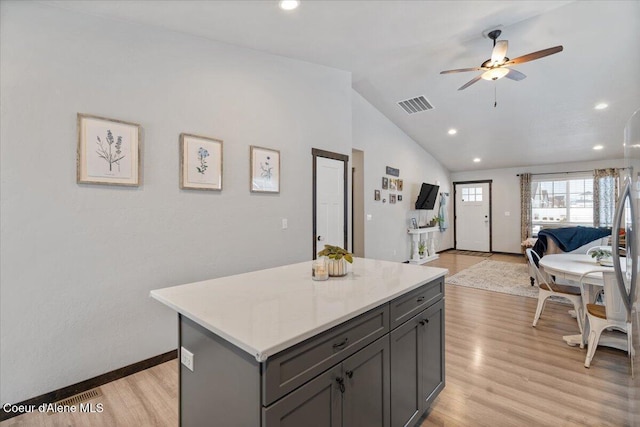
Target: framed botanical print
(264, 170)
(108, 151)
(200, 162)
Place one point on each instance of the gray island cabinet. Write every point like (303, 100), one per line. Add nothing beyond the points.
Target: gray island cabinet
(273, 348)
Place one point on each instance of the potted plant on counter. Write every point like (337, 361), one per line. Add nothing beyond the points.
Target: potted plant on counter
(337, 259)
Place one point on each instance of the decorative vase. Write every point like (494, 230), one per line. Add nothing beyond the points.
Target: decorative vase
(337, 267)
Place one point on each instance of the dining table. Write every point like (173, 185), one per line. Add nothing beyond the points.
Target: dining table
(571, 267)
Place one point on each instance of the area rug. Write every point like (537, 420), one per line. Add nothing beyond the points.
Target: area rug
(472, 253)
(498, 276)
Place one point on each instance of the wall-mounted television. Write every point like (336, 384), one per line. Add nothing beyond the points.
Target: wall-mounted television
(427, 197)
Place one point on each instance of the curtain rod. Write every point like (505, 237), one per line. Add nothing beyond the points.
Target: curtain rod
(560, 173)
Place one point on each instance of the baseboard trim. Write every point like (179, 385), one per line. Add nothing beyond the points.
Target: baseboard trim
(82, 386)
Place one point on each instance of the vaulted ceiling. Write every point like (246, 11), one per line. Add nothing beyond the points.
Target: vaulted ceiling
(396, 49)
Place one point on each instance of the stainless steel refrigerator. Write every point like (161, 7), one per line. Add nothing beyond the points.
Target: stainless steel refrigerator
(627, 218)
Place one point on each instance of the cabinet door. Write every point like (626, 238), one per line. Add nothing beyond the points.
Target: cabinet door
(315, 404)
(406, 365)
(366, 378)
(432, 372)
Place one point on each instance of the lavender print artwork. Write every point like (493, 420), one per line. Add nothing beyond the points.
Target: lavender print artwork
(111, 153)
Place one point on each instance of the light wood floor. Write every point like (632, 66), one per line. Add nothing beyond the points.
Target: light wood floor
(500, 371)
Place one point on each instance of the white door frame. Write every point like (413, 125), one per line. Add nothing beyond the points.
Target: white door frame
(455, 212)
(335, 156)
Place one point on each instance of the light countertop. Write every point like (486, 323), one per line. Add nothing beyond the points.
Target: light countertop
(267, 311)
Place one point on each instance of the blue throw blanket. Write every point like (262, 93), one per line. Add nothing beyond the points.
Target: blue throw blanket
(569, 238)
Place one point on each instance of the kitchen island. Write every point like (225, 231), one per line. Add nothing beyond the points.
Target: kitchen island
(275, 348)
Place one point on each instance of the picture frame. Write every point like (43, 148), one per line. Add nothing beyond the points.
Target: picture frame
(108, 151)
(264, 170)
(399, 184)
(392, 184)
(385, 183)
(399, 197)
(414, 223)
(376, 195)
(392, 198)
(200, 162)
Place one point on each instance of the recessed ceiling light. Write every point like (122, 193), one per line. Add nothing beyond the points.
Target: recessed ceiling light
(601, 106)
(452, 132)
(289, 4)
(598, 147)
(477, 160)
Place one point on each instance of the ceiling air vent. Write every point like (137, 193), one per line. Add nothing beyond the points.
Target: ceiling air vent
(415, 105)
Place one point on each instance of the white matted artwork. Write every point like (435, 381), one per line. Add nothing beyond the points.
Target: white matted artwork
(265, 170)
(200, 162)
(108, 151)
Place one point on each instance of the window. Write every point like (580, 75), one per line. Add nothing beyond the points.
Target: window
(471, 194)
(561, 202)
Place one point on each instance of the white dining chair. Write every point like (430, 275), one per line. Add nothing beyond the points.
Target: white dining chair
(547, 288)
(611, 315)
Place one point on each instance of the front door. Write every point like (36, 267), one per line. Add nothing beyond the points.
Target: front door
(330, 200)
(473, 216)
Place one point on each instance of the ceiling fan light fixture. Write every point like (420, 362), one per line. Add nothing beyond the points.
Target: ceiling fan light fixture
(495, 73)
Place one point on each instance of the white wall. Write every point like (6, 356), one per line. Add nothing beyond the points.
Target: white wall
(78, 261)
(384, 144)
(506, 196)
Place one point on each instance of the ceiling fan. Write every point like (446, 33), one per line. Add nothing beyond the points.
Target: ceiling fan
(497, 67)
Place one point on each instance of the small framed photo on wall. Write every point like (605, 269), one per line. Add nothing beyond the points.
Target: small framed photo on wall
(108, 151)
(399, 197)
(385, 183)
(264, 170)
(392, 198)
(200, 162)
(399, 184)
(392, 184)
(376, 195)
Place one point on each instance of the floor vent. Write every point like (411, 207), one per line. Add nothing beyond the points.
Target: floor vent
(79, 398)
(415, 105)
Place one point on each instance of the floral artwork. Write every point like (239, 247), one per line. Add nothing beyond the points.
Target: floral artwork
(265, 170)
(202, 155)
(200, 163)
(108, 151)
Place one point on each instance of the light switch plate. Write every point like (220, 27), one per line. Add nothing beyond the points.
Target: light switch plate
(285, 223)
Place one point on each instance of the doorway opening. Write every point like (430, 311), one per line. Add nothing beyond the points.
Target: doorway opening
(330, 181)
(357, 203)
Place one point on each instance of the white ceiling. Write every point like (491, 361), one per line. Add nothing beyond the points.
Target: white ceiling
(396, 49)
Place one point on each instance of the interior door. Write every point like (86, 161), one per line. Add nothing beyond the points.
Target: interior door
(473, 216)
(330, 200)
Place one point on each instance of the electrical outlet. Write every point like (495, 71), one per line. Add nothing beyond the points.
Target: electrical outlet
(285, 223)
(369, 217)
(507, 213)
(186, 358)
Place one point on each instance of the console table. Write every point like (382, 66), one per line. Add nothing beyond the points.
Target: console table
(416, 235)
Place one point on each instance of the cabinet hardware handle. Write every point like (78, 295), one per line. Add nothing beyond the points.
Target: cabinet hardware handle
(426, 320)
(349, 374)
(420, 299)
(422, 322)
(341, 345)
(340, 382)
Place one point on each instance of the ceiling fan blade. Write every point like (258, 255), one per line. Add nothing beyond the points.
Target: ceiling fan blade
(461, 70)
(499, 51)
(470, 82)
(535, 55)
(515, 75)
